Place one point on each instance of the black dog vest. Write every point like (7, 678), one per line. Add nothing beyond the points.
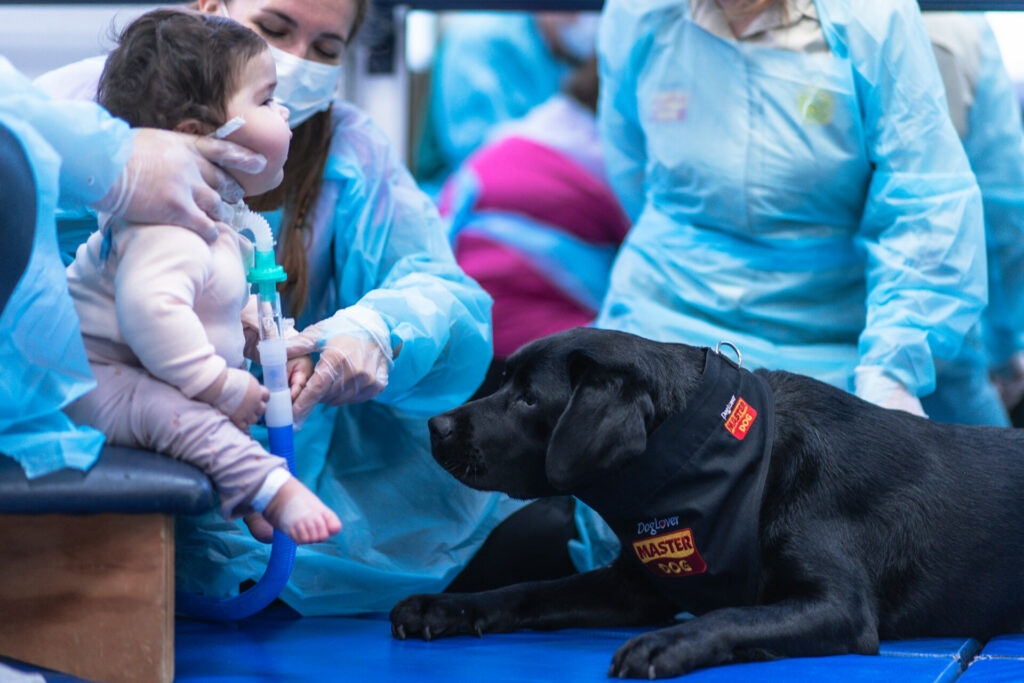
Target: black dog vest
(687, 509)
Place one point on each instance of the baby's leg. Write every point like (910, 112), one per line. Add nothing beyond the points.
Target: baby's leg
(294, 509)
(259, 527)
(133, 408)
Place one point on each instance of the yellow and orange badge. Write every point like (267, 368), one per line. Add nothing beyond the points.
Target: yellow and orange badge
(740, 419)
(673, 554)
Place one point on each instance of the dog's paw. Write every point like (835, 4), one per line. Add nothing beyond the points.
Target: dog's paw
(439, 615)
(658, 654)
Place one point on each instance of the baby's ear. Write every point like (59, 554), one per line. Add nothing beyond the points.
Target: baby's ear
(191, 126)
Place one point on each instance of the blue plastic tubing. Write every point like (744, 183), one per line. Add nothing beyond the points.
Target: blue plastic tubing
(279, 567)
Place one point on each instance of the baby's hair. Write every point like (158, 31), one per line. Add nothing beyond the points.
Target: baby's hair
(172, 65)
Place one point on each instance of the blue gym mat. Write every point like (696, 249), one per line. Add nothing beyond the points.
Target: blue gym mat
(276, 647)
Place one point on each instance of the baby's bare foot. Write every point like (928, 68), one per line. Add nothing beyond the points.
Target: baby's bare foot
(259, 527)
(297, 512)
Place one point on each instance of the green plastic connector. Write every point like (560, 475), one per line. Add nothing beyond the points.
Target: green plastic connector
(265, 274)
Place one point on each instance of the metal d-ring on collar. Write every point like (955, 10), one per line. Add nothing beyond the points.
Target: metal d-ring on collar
(739, 356)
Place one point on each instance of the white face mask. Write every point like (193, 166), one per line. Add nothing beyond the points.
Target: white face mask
(578, 37)
(304, 87)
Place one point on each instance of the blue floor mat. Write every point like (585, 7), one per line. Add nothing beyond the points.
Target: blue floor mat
(275, 647)
(324, 649)
(1000, 661)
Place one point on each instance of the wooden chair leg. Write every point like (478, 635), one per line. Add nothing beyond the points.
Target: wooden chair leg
(90, 595)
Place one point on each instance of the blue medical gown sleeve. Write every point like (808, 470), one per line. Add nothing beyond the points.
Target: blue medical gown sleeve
(94, 146)
(41, 351)
(995, 148)
(392, 255)
(623, 40)
(922, 227)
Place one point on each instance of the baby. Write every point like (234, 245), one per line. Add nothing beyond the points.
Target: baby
(161, 309)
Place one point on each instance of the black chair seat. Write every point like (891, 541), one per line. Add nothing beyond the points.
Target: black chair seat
(123, 480)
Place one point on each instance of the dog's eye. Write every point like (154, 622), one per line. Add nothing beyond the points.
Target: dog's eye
(528, 398)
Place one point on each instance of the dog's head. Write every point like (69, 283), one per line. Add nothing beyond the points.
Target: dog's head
(571, 406)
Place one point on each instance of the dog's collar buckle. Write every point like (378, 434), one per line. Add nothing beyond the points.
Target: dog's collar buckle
(739, 356)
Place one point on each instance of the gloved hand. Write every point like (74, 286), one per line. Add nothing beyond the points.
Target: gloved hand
(179, 179)
(1009, 380)
(872, 384)
(239, 395)
(355, 359)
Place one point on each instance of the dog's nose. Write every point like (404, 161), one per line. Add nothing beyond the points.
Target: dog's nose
(441, 428)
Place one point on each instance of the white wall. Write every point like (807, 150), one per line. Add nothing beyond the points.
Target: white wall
(1009, 30)
(39, 38)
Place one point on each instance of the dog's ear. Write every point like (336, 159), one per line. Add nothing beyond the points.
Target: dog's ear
(603, 425)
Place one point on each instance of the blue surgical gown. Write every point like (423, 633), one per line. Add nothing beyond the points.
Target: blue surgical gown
(491, 67)
(985, 111)
(409, 526)
(994, 142)
(816, 209)
(76, 151)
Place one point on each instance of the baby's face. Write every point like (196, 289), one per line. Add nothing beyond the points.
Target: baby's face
(266, 123)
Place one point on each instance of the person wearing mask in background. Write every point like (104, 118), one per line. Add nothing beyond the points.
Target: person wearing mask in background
(492, 67)
(797, 188)
(985, 112)
(74, 154)
(531, 201)
(402, 334)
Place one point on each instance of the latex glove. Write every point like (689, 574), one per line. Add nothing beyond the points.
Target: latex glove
(179, 179)
(1009, 380)
(873, 385)
(355, 359)
(239, 395)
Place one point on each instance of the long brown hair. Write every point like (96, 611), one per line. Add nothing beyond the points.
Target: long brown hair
(303, 177)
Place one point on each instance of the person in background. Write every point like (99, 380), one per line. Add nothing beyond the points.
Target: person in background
(985, 112)
(797, 187)
(160, 309)
(402, 334)
(531, 201)
(493, 67)
(74, 154)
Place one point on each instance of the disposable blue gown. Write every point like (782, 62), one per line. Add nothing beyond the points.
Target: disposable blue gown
(987, 116)
(815, 209)
(409, 526)
(995, 147)
(76, 151)
(491, 67)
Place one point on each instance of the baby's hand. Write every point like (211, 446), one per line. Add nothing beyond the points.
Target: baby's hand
(253, 405)
(237, 394)
(299, 371)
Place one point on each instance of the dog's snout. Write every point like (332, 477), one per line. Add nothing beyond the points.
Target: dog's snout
(441, 428)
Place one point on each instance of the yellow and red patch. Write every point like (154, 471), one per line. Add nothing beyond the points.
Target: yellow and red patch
(741, 419)
(673, 554)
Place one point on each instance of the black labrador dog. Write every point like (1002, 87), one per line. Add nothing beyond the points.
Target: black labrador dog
(793, 518)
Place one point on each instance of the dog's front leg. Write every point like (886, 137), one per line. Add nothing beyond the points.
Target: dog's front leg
(794, 628)
(603, 597)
